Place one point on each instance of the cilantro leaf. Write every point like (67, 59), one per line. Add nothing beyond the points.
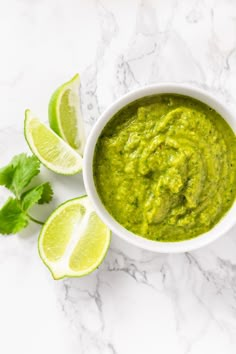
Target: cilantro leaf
(6, 175)
(27, 167)
(19, 172)
(47, 193)
(40, 194)
(16, 176)
(31, 197)
(12, 217)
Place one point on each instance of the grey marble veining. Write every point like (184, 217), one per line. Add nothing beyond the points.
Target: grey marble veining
(137, 301)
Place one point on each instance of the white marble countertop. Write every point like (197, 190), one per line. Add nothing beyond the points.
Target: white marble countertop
(137, 302)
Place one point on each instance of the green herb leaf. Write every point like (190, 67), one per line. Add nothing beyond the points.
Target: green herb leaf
(19, 172)
(16, 176)
(12, 217)
(31, 197)
(6, 176)
(26, 167)
(47, 193)
(40, 194)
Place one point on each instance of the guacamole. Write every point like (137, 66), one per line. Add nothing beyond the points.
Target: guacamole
(165, 167)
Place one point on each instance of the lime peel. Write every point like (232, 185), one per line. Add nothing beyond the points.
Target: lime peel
(63, 266)
(65, 116)
(49, 148)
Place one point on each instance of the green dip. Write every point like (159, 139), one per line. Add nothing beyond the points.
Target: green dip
(165, 167)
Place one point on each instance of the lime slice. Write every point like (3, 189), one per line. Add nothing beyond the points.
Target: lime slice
(73, 241)
(50, 149)
(65, 115)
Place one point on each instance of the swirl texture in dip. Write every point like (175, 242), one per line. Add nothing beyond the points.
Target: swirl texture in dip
(165, 167)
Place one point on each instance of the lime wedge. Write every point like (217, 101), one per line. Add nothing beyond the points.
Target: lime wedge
(65, 115)
(73, 241)
(50, 149)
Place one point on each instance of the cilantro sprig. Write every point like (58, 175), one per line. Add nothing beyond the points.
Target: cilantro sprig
(16, 176)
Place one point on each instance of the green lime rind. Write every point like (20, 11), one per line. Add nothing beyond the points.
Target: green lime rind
(52, 107)
(72, 274)
(71, 130)
(30, 141)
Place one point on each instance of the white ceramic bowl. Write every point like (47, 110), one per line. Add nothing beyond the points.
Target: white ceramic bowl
(165, 247)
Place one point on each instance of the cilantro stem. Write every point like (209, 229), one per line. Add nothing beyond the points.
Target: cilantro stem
(35, 220)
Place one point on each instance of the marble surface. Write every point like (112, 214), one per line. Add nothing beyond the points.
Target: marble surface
(137, 302)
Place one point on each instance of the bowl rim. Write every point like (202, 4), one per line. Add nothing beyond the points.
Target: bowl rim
(223, 226)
